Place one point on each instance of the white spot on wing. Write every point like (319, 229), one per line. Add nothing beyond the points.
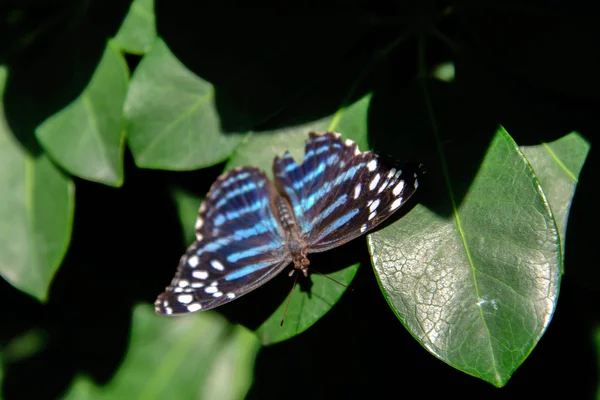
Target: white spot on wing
(211, 289)
(194, 307)
(217, 294)
(357, 190)
(185, 298)
(372, 215)
(199, 236)
(199, 223)
(398, 188)
(200, 274)
(383, 185)
(363, 228)
(230, 295)
(168, 310)
(183, 283)
(216, 264)
(372, 165)
(374, 205)
(193, 261)
(374, 182)
(396, 203)
(197, 285)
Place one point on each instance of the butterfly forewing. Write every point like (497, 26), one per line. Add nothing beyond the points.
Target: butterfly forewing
(307, 186)
(339, 193)
(240, 245)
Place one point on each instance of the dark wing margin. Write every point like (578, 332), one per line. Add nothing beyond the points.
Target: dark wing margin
(240, 245)
(340, 193)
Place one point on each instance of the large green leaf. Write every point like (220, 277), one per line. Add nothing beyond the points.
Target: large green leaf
(138, 30)
(476, 288)
(87, 137)
(36, 213)
(171, 118)
(198, 357)
(259, 150)
(557, 166)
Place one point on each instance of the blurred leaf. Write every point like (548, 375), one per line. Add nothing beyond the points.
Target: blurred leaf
(36, 213)
(86, 138)
(477, 288)
(259, 150)
(195, 357)
(557, 166)
(25, 345)
(138, 31)
(171, 118)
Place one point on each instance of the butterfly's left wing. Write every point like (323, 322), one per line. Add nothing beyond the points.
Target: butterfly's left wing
(240, 245)
(339, 193)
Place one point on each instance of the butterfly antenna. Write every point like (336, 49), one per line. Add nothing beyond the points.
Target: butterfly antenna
(289, 298)
(331, 279)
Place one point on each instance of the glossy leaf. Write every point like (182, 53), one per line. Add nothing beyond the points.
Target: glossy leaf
(477, 288)
(86, 138)
(259, 150)
(171, 118)
(138, 30)
(198, 357)
(557, 166)
(36, 213)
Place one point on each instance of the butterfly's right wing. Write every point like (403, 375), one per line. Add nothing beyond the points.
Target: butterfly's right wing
(339, 193)
(240, 245)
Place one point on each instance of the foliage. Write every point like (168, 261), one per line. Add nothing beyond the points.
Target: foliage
(115, 118)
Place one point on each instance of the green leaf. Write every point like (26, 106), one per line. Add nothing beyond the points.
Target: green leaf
(87, 138)
(36, 213)
(557, 166)
(138, 30)
(476, 288)
(259, 150)
(197, 357)
(171, 118)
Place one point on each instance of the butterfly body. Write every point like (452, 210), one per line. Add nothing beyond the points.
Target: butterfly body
(250, 229)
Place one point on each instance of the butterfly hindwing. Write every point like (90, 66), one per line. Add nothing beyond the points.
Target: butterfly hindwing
(240, 245)
(339, 193)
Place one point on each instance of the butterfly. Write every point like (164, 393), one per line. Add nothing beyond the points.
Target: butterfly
(249, 229)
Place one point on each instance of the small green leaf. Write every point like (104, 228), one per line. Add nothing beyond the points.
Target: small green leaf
(187, 207)
(197, 357)
(171, 118)
(557, 166)
(477, 288)
(36, 213)
(138, 30)
(87, 138)
(259, 150)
